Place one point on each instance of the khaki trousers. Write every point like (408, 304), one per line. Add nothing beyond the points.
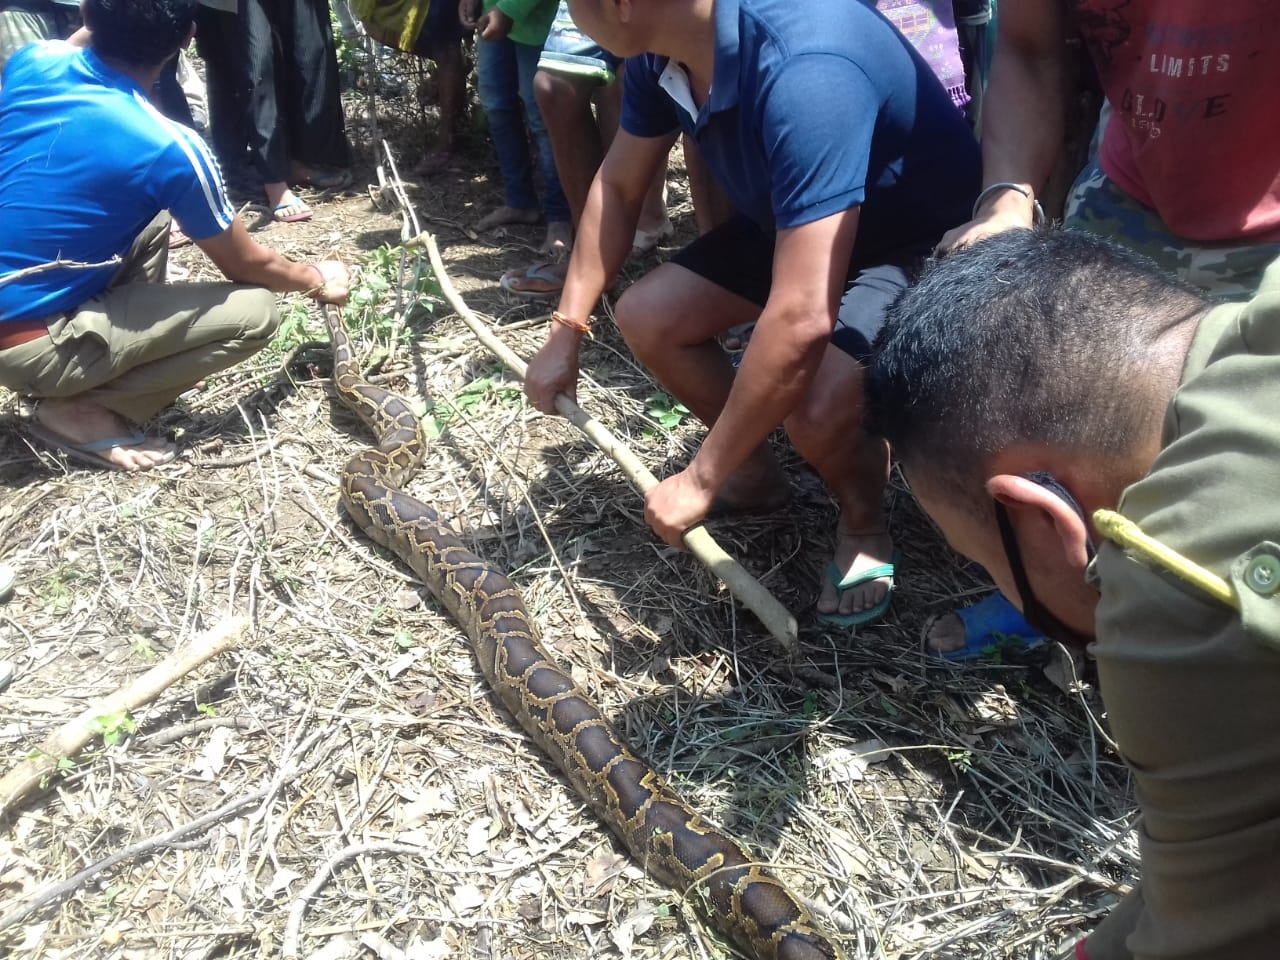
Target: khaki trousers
(140, 343)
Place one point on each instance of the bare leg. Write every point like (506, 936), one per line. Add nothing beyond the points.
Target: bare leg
(827, 431)
(576, 143)
(670, 319)
(451, 97)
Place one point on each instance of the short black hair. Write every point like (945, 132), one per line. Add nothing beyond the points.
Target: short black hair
(1027, 338)
(140, 33)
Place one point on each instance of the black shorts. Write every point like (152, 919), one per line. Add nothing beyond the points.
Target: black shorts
(738, 256)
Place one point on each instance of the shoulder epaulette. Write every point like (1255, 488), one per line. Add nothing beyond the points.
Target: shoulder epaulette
(1125, 533)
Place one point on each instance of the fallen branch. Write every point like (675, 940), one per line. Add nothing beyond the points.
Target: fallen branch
(293, 928)
(750, 591)
(69, 739)
(57, 265)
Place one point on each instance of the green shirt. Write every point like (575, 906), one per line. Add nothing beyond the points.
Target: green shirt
(531, 19)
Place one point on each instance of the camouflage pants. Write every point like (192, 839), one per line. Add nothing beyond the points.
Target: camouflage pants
(1225, 271)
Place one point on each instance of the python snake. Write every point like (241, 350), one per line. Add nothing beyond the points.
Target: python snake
(739, 896)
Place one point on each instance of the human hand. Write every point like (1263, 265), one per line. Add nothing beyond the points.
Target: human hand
(469, 13)
(553, 369)
(979, 229)
(1001, 206)
(334, 282)
(675, 505)
(494, 25)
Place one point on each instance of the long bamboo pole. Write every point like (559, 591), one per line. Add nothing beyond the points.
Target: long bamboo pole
(750, 591)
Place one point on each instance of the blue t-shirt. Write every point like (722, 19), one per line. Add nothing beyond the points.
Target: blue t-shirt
(817, 107)
(86, 162)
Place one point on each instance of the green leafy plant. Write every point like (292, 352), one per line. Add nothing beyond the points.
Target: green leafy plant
(665, 410)
(113, 727)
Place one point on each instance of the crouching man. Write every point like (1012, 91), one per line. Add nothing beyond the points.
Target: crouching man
(89, 171)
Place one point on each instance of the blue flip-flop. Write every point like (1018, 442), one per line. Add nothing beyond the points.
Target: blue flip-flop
(843, 583)
(991, 627)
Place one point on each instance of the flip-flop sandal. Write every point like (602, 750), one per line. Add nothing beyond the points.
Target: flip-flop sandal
(177, 238)
(992, 627)
(301, 212)
(91, 453)
(842, 583)
(541, 272)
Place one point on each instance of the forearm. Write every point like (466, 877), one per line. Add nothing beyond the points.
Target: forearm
(241, 260)
(277, 273)
(602, 244)
(1022, 127)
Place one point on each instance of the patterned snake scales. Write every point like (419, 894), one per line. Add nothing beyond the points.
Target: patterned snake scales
(743, 900)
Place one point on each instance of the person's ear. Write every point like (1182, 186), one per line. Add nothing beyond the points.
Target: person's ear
(625, 10)
(1043, 517)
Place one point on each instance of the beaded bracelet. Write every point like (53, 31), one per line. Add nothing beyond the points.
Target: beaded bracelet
(1037, 211)
(565, 321)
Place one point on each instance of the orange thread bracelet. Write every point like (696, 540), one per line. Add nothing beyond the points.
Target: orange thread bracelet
(566, 321)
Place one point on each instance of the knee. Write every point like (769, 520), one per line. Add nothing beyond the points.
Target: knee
(646, 318)
(556, 96)
(258, 314)
(830, 414)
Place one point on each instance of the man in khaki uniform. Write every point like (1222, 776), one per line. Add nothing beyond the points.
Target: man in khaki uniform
(1037, 380)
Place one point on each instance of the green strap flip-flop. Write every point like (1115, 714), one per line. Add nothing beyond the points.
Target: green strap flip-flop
(843, 583)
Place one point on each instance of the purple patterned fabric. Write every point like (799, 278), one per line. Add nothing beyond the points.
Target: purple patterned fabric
(930, 25)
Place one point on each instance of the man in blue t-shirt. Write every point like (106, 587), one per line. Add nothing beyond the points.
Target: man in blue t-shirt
(89, 170)
(846, 160)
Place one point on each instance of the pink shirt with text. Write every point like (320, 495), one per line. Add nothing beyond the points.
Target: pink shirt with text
(1194, 132)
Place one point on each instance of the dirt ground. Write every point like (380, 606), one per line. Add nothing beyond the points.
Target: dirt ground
(342, 784)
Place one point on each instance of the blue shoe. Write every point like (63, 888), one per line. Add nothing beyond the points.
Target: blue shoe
(879, 572)
(992, 627)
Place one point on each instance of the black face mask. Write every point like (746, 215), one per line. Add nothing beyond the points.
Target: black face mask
(1034, 612)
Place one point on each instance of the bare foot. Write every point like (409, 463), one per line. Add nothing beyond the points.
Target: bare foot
(649, 235)
(945, 634)
(856, 550)
(559, 238)
(285, 204)
(88, 430)
(505, 215)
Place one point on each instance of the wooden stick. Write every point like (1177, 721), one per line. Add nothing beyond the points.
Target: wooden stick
(750, 591)
(69, 739)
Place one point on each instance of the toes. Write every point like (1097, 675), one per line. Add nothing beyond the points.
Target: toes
(863, 597)
(946, 634)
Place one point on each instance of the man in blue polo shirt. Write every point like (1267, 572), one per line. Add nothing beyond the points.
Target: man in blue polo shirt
(88, 170)
(846, 160)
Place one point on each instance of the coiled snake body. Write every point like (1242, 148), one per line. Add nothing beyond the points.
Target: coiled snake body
(673, 844)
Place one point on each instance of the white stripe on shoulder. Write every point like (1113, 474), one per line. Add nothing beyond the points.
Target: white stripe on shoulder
(202, 162)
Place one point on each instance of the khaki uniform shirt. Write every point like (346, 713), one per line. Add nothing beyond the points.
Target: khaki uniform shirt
(1191, 684)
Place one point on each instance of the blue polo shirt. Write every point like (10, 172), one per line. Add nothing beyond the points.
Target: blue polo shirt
(86, 162)
(816, 107)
